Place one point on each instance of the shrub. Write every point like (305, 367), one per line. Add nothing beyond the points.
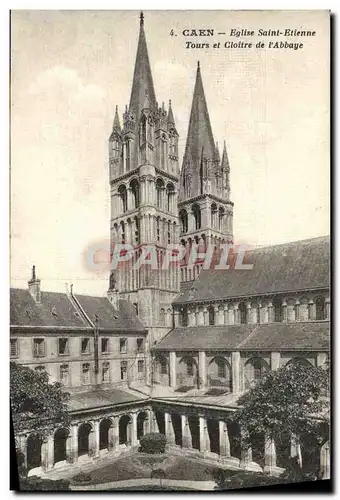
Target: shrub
(35, 483)
(153, 443)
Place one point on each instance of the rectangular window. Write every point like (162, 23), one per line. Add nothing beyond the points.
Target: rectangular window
(62, 346)
(85, 346)
(140, 345)
(141, 366)
(86, 374)
(64, 378)
(106, 372)
(122, 345)
(123, 370)
(14, 348)
(39, 347)
(105, 346)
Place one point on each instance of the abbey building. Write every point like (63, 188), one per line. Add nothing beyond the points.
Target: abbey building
(172, 350)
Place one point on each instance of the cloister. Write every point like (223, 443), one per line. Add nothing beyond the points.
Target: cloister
(209, 432)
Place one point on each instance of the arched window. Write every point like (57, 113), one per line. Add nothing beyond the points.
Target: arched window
(162, 316)
(163, 151)
(123, 198)
(254, 369)
(190, 367)
(134, 186)
(320, 308)
(220, 218)
(183, 216)
(211, 315)
(277, 305)
(170, 195)
(300, 362)
(115, 146)
(197, 216)
(213, 215)
(127, 154)
(243, 313)
(169, 232)
(159, 192)
(184, 316)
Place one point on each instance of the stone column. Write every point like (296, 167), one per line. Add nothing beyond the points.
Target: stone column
(172, 363)
(129, 199)
(186, 433)
(204, 435)
(297, 310)
(235, 368)
(236, 315)
(230, 316)
(246, 451)
(48, 452)
(205, 316)
(154, 424)
(270, 312)
(325, 461)
(202, 373)
(96, 439)
(216, 315)
(23, 447)
(328, 308)
(269, 454)
(176, 317)
(275, 360)
(74, 443)
(248, 318)
(311, 310)
(224, 440)
(134, 430)
(225, 313)
(284, 311)
(169, 431)
(114, 434)
(201, 319)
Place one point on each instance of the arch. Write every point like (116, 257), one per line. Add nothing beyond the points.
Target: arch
(211, 315)
(177, 427)
(84, 432)
(187, 372)
(125, 429)
(183, 316)
(142, 419)
(243, 313)
(254, 370)
(298, 360)
(159, 192)
(214, 435)
(183, 217)
(161, 372)
(122, 192)
(220, 374)
(160, 419)
(170, 194)
(213, 215)
(104, 433)
(135, 190)
(197, 216)
(61, 436)
(234, 433)
(320, 308)
(34, 444)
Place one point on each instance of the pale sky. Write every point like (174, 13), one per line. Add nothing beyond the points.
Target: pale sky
(71, 68)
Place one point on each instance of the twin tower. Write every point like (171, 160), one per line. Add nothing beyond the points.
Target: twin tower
(155, 203)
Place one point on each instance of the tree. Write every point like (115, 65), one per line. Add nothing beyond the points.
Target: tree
(37, 406)
(290, 400)
(153, 442)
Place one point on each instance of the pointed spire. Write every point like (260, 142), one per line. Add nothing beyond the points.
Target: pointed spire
(171, 119)
(142, 77)
(116, 123)
(225, 160)
(199, 139)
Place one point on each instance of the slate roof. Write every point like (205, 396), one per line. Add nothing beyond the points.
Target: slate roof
(266, 337)
(109, 318)
(98, 398)
(57, 310)
(24, 311)
(299, 265)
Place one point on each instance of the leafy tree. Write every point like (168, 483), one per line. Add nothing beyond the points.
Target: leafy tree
(37, 406)
(290, 400)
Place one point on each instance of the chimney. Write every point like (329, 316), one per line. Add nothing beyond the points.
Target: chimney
(34, 286)
(112, 293)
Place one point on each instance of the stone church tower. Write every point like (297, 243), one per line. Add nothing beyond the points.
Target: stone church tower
(205, 209)
(144, 181)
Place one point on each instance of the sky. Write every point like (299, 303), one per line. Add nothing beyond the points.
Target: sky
(69, 69)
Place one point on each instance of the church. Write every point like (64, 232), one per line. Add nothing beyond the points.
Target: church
(172, 350)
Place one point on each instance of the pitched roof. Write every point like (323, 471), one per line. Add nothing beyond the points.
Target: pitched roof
(98, 398)
(54, 309)
(299, 265)
(142, 84)
(57, 310)
(200, 140)
(267, 337)
(109, 318)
